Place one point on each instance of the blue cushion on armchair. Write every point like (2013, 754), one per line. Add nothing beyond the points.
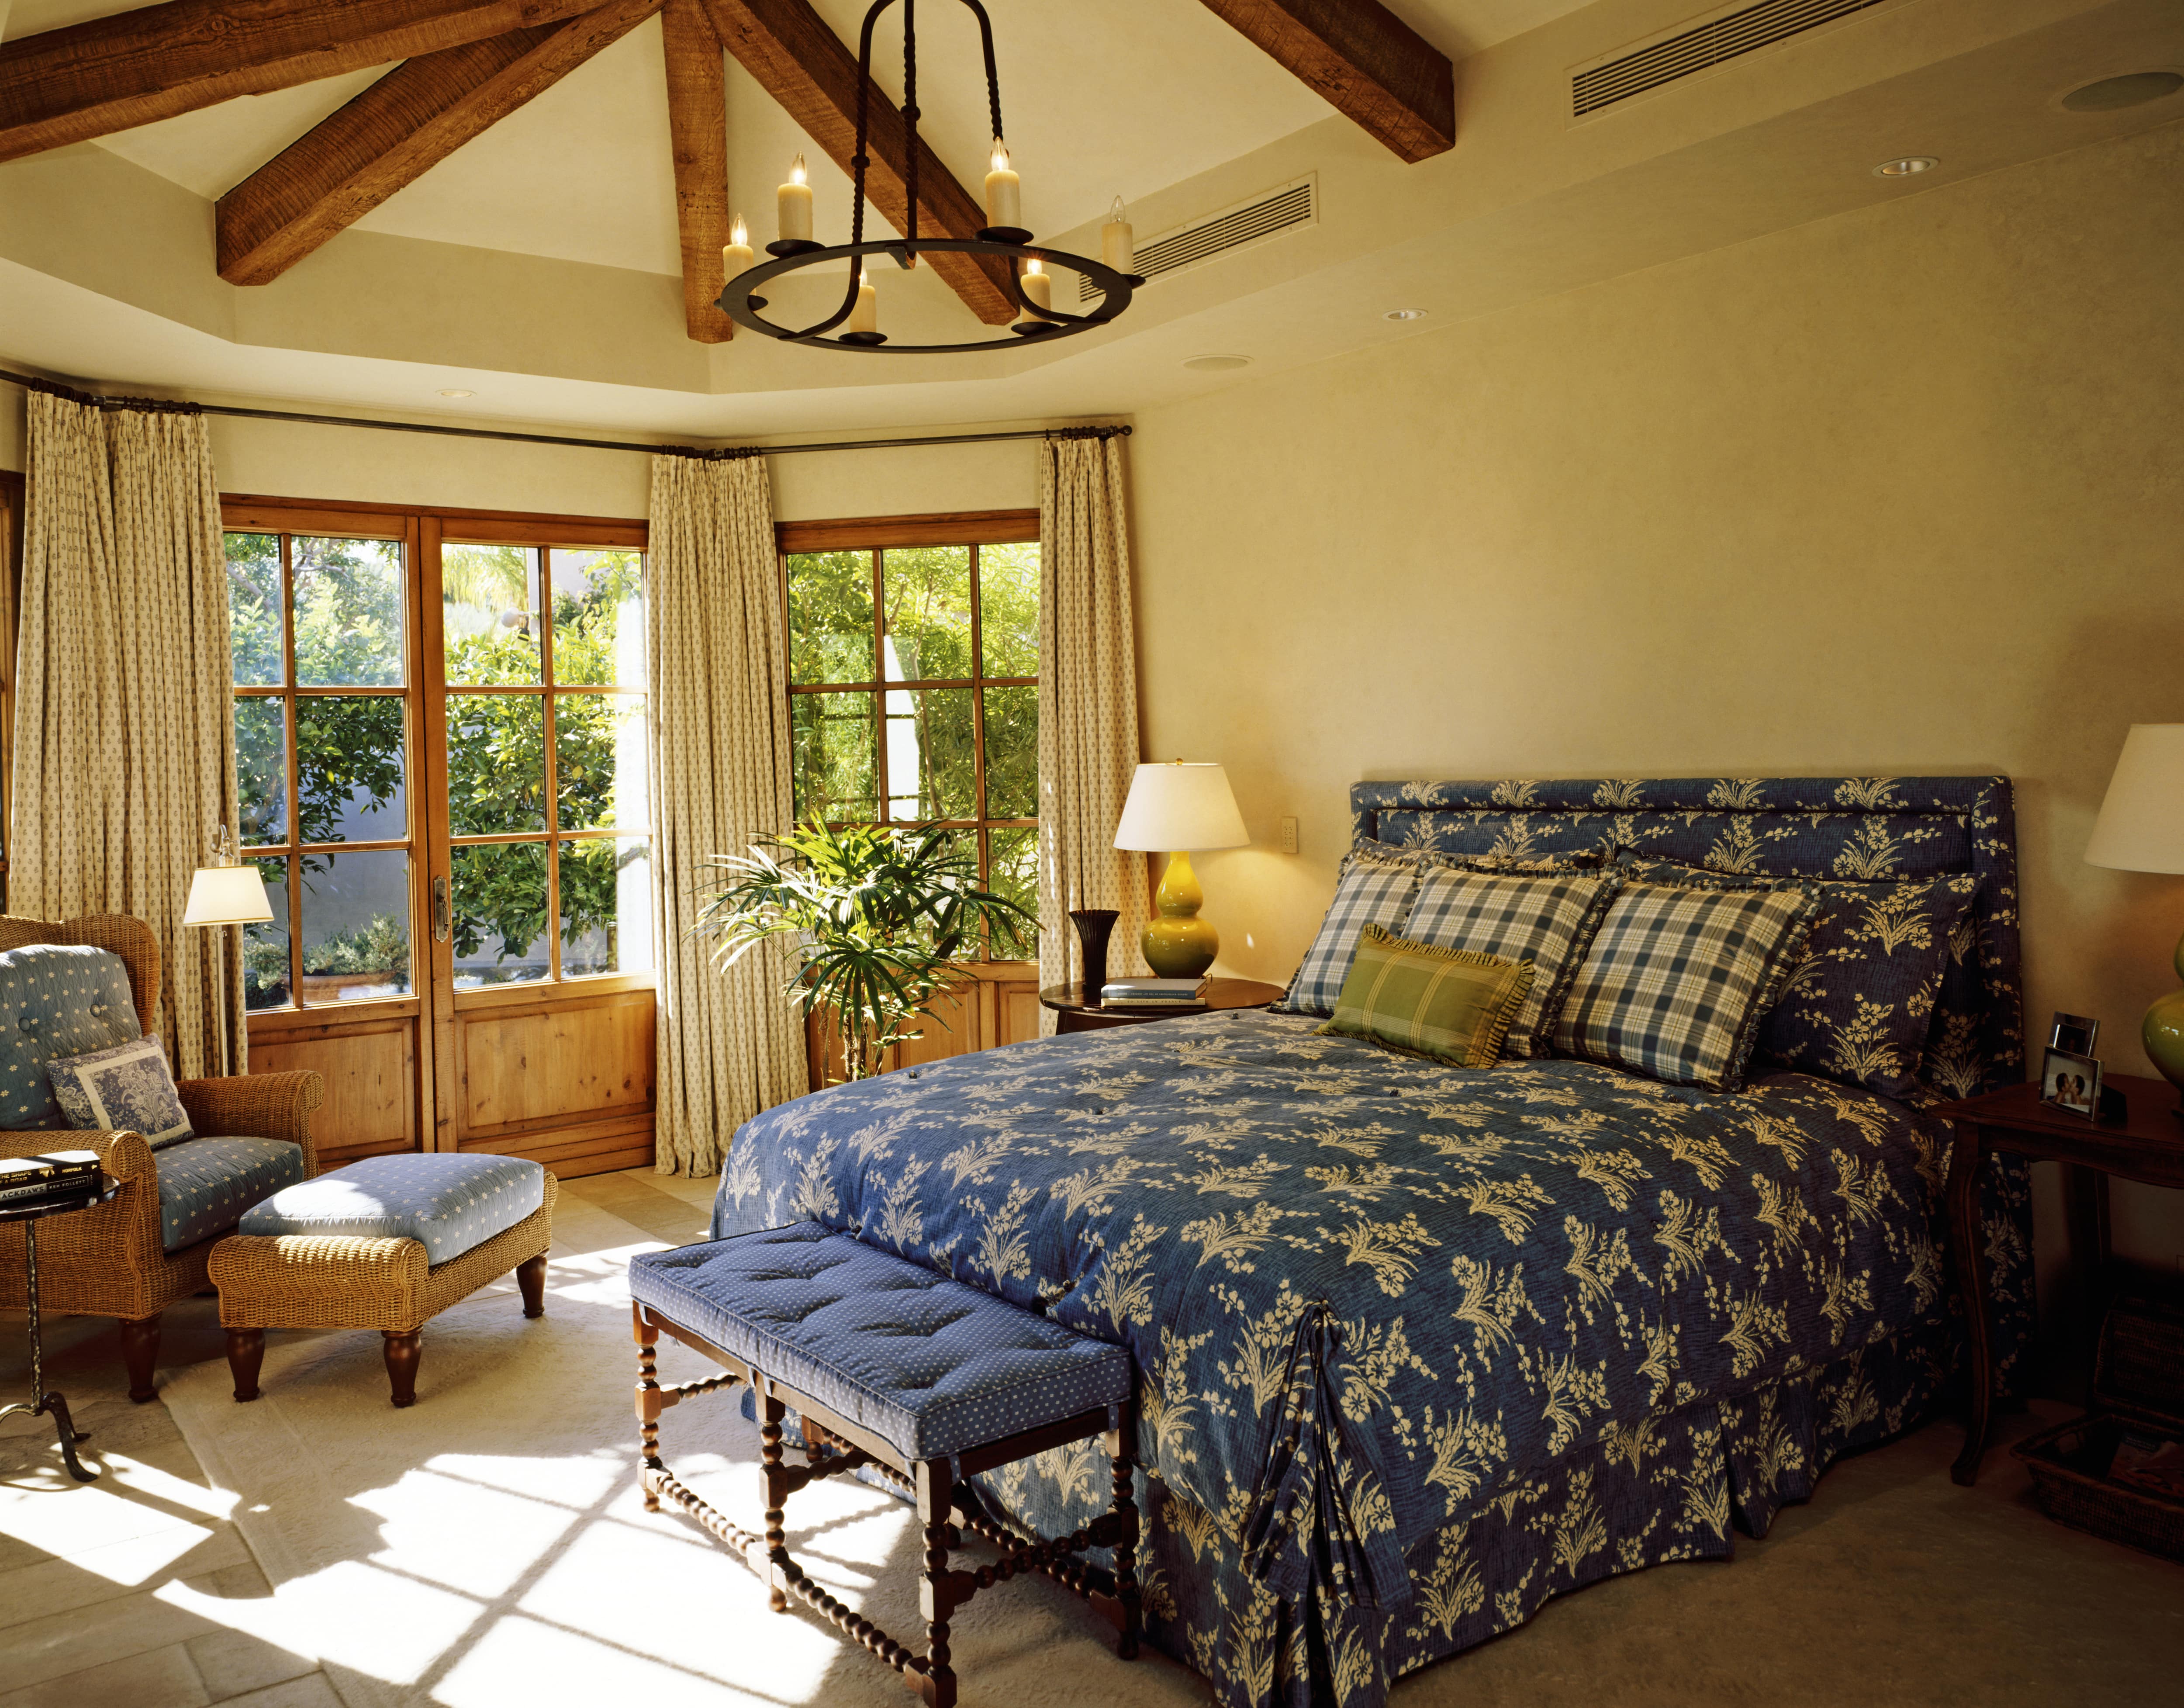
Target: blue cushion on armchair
(205, 1185)
(56, 999)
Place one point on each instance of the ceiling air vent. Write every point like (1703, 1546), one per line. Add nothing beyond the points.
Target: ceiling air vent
(1250, 221)
(1695, 47)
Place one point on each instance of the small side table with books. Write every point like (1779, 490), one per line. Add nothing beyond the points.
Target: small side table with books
(30, 1189)
(1078, 1010)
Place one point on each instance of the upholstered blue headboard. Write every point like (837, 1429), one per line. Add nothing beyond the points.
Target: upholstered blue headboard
(1794, 827)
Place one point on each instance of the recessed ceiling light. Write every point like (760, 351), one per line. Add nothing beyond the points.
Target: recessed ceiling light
(1404, 315)
(1216, 365)
(2133, 89)
(1909, 166)
(455, 391)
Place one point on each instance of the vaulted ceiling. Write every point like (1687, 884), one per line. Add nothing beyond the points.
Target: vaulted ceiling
(525, 198)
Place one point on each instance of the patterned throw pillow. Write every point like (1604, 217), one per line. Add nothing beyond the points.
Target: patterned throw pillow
(1449, 1004)
(1546, 914)
(1857, 1008)
(127, 1088)
(1679, 977)
(1375, 887)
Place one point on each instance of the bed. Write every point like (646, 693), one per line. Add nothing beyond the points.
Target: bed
(1418, 1349)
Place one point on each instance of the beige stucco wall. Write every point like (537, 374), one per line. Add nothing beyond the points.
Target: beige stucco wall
(1898, 492)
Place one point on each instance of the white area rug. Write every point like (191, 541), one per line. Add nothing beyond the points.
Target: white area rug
(488, 1547)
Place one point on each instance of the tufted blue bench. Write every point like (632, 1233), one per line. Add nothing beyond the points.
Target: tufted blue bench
(889, 1365)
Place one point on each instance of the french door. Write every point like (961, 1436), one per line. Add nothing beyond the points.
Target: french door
(442, 740)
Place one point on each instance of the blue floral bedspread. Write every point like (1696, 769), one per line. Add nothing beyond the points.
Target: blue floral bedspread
(1417, 1347)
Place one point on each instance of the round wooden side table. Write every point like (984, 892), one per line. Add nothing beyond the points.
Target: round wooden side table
(1076, 1011)
(41, 1402)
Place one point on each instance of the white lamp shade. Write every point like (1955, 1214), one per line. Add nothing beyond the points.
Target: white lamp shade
(227, 896)
(2141, 827)
(1180, 808)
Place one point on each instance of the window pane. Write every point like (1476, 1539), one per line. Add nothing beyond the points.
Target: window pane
(348, 612)
(1013, 870)
(496, 764)
(356, 925)
(1011, 752)
(928, 612)
(1008, 608)
(497, 903)
(266, 947)
(489, 614)
(598, 761)
(830, 616)
(931, 763)
(261, 768)
(606, 906)
(253, 608)
(598, 617)
(832, 735)
(350, 782)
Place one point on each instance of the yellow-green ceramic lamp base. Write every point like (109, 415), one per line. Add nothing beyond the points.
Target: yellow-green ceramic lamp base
(1178, 944)
(2162, 1033)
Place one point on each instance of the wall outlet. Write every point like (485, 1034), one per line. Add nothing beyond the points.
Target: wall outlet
(1288, 835)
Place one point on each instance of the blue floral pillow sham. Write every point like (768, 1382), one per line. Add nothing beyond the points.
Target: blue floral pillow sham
(125, 1088)
(1858, 1007)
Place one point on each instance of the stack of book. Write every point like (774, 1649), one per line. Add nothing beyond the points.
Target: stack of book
(1177, 994)
(59, 1177)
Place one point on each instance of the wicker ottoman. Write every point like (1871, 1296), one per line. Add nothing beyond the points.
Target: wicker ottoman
(387, 1243)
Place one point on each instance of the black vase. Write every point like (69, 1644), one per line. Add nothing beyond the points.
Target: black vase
(1095, 925)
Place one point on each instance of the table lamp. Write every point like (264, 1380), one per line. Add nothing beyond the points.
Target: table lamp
(227, 892)
(1176, 809)
(2141, 828)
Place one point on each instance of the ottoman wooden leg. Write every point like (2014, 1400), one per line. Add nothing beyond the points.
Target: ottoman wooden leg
(530, 1277)
(140, 1352)
(245, 1351)
(401, 1353)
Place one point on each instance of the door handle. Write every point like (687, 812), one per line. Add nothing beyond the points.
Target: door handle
(439, 910)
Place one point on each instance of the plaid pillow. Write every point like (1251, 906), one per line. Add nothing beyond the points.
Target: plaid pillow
(1449, 1004)
(1857, 1006)
(1544, 916)
(1679, 977)
(1375, 887)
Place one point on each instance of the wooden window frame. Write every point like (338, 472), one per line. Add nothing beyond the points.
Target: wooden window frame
(875, 534)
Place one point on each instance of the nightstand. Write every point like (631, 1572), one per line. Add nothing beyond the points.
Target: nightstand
(2146, 1145)
(1076, 1014)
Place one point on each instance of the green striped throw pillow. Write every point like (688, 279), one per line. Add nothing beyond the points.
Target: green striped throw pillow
(1452, 1005)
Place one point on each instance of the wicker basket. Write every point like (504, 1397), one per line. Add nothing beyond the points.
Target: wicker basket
(2138, 1387)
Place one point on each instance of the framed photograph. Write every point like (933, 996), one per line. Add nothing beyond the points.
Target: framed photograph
(2071, 1081)
(2075, 1033)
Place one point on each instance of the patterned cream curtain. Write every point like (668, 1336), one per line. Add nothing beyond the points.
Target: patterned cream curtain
(729, 1045)
(125, 700)
(1088, 704)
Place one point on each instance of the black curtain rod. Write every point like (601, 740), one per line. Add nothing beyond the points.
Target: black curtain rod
(31, 383)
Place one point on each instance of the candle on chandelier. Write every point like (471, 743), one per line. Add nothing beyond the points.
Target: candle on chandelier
(794, 199)
(737, 257)
(1116, 247)
(865, 316)
(1004, 192)
(1038, 287)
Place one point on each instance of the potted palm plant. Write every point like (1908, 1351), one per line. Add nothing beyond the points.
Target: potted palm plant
(876, 918)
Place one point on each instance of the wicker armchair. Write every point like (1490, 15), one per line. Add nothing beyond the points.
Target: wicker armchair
(110, 1261)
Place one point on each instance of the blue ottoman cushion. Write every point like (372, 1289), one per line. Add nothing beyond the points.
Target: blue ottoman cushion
(206, 1184)
(931, 1366)
(447, 1201)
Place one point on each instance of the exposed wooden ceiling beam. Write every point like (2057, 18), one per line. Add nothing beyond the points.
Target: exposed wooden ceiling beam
(1370, 65)
(697, 121)
(111, 73)
(803, 64)
(391, 134)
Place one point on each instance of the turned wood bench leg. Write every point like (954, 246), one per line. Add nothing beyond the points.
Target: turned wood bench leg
(530, 1277)
(647, 1337)
(772, 1475)
(403, 1351)
(1126, 1548)
(937, 1590)
(245, 1352)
